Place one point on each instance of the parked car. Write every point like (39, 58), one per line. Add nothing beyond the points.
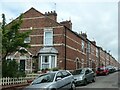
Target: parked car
(102, 71)
(111, 69)
(53, 80)
(83, 75)
(116, 69)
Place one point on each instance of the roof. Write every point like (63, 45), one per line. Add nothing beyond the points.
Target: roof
(32, 12)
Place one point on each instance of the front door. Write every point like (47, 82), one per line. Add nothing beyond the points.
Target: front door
(22, 65)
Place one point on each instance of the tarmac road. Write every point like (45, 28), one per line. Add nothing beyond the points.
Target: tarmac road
(109, 81)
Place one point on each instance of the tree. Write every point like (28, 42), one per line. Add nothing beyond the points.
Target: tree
(12, 40)
(0, 38)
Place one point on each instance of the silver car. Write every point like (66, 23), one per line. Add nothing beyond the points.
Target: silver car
(52, 81)
(83, 76)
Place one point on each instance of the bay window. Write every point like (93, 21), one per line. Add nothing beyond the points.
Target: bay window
(47, 61)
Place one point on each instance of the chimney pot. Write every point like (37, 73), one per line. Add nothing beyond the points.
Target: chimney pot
(45, 13)
(94, 42)
(84, 35)
(51, 15)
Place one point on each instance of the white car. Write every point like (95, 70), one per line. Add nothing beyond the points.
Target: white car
(52, 81)
(83, 76)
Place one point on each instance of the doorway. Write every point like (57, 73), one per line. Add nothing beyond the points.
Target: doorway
(22, 65)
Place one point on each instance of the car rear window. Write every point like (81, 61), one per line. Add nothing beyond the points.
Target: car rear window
(76, 72)
(99, 69)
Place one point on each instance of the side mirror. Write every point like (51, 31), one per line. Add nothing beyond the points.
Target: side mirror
(75, 80)
(58, 78)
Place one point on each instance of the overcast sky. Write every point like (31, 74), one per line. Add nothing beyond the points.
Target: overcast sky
(98, 18)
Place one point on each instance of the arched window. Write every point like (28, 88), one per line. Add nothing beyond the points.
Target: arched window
(78, 63)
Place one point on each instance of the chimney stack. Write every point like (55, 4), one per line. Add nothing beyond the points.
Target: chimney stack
(84, 35)
(68, 24)
(52, 15)
(93, 42)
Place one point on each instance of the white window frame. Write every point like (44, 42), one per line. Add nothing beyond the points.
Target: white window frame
(89, 47)
(50, 57)
(83, 46)
(96, 52)
(45, 31)
(27, 40)
(44, 63)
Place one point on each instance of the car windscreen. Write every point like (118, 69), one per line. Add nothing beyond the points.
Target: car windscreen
(49, 77)
(77, 72)
(109, 67)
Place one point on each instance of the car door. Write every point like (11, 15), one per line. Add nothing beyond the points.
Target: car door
(88, 75)
(91, 73)
(59, 80)
(67, 79)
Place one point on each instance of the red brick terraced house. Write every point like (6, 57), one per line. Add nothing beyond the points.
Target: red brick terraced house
(55, 45)
(102, 57)
(107, 59)
(93, 54)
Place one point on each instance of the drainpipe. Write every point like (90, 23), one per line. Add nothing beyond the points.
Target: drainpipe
(31, 62)
(98, 56)
(87, 59)
(65, 48)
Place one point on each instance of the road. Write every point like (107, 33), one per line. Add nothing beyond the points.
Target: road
(109, 81)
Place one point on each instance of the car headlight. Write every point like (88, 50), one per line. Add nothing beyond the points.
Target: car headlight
(81, 78)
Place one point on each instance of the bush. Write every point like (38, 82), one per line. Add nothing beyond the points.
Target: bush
(20, 74)
(55, 69)
(10, 69)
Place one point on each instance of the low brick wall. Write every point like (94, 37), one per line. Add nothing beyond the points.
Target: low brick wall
(15, 87)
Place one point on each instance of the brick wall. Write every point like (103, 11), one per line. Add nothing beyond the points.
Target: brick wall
(36, 21)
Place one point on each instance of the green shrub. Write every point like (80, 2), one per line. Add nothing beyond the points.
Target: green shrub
(55, 69)
(10, 69)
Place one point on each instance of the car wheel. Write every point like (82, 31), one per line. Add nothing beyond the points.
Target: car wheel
(94, 79)
(53, 89)
(85, 82)
(105, 74)
(73, 86)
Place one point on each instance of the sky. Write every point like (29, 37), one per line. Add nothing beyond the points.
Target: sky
(97, 18)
